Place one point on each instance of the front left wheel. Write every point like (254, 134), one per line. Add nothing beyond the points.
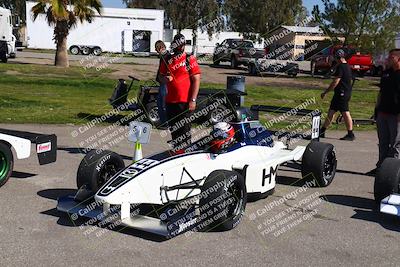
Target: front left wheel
(97, 167)
(319, 163)
(223, 200)
(6, 163)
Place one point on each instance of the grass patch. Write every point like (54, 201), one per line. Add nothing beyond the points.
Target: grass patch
(46, 94)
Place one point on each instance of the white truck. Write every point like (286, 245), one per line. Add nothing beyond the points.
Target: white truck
(7, 39)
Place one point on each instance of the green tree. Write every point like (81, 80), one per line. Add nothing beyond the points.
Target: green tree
(260, 16)
(64, 15)
(143, 3)
(17, 7)
(369, 25)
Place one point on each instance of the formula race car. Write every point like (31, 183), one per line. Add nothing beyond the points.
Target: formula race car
(200, 189)
(20, 142)
(387, 186)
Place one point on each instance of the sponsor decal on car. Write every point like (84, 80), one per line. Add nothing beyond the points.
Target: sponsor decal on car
(42, 148)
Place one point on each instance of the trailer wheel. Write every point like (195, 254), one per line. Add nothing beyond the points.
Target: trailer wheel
(85, 50)
(97, 167)
(223, 201)
(319, 163)
(97, 51)
(6, 163)
(387, 180)
(152, 114)
(74, 50)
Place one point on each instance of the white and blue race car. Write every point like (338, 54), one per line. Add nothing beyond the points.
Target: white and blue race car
(387, 187)
(168, 194)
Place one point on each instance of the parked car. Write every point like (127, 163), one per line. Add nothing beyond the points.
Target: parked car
(236, 51)
(325, 61)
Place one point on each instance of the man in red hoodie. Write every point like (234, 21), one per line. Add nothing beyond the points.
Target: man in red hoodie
(182, 76)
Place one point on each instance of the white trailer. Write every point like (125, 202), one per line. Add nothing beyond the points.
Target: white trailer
(7, 39)
(116, 30)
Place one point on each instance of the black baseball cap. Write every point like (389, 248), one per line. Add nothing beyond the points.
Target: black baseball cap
(179, 40)
(340, 53)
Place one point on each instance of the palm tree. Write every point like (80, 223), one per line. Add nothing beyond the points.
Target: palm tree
(64, 15)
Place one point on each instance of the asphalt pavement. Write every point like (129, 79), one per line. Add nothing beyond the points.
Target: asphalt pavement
(296, 226)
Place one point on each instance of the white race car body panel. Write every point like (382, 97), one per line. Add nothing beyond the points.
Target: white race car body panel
(150, 181)
(391, 205)
(21, 146)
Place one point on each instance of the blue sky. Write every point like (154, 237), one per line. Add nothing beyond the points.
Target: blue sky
(117, 3)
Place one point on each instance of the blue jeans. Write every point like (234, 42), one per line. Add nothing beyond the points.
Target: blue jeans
(162, 111)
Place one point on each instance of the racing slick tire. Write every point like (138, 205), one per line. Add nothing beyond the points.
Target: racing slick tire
(319, 163)
(387, 180)
(97, 167)
(74, 50)
(6, 163)
(223, 202)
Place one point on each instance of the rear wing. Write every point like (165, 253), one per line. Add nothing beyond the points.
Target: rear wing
(315, 117)
(46, 145)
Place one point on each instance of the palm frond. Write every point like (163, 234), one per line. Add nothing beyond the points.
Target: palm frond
(39, 8)
(59, 8)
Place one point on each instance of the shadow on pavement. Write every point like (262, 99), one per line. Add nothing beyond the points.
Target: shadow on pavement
(77, 150)
(65, 219)
(366, 210)
(22, 175)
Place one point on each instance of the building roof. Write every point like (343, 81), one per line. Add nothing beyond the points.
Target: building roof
(299, 29)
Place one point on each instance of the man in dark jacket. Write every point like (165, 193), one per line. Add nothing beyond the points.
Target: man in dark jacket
(388, 109)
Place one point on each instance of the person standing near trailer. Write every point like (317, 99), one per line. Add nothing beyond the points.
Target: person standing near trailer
(342, 85)
(182, 74)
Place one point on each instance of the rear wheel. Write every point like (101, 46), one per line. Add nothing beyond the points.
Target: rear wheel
(97, 167)
(6, 163)
(319, 163)
(224, 200)
(152, 114)
(387, 180)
